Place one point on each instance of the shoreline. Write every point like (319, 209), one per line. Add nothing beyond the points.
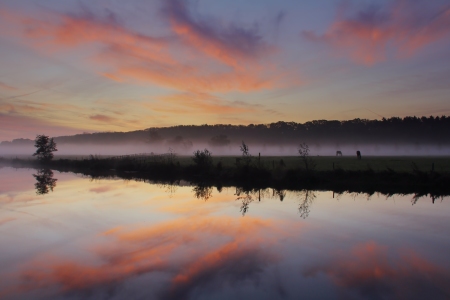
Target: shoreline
(252, 176)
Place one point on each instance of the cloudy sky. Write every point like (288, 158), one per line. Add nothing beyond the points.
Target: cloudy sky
(108, 65)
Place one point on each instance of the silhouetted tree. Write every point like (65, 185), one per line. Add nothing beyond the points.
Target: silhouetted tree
(246, 156)
(203, 159)
(45, 148)
(308, 162)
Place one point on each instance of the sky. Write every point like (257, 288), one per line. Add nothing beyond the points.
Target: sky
(68, 67)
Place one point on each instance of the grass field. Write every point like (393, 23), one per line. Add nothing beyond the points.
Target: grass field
(325, 163)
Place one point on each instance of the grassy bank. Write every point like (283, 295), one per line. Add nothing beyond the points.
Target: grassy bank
(323, 163)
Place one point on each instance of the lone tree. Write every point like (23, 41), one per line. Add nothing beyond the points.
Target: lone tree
(45, 148)
(246, 156)
(303, 150)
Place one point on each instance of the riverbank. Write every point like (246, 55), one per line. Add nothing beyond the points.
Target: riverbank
(254, 174)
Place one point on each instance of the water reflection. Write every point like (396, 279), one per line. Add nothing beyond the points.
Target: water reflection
(373, 271)
(306, 199)
(417, 196)
(221, 253)
(203, 191)
(111, 239)
(170, 187)
(246, 198)
(44, 181)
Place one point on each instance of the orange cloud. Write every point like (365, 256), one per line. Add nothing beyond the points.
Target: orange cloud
(369, 35)
(184, 77)
(123, 55)
(232, 262)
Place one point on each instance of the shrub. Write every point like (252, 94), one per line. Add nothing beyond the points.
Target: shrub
(203, 159)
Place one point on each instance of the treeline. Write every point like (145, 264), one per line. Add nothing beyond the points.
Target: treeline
(408, 130)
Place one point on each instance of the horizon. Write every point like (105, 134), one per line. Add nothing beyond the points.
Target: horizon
(72, 67)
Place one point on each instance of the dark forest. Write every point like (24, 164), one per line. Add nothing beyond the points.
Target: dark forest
(408, 130)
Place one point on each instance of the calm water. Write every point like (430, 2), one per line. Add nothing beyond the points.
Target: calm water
(116, 239)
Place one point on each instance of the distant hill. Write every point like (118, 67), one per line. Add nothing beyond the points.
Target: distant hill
(408, 130)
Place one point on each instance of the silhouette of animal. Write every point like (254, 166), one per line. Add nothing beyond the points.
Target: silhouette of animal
(338, 153)
(358, 154)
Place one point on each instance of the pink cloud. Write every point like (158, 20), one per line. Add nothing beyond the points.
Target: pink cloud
(231, 45)
(201, 57)
(101, 189)
(403, 27)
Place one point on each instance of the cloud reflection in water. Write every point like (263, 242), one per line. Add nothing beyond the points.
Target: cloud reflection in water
(198, 254)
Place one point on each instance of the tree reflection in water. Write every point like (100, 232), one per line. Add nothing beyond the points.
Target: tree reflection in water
(44, 181)
(280, 194)
(307, 198)
(417, 196)
(246, 200)
(170, 188)
(203, 192)
(248, 196)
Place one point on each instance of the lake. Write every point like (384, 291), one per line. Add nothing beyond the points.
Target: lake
(118, 239)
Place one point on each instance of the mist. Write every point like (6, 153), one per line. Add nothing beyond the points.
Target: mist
(410, 136)
(233, 149)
